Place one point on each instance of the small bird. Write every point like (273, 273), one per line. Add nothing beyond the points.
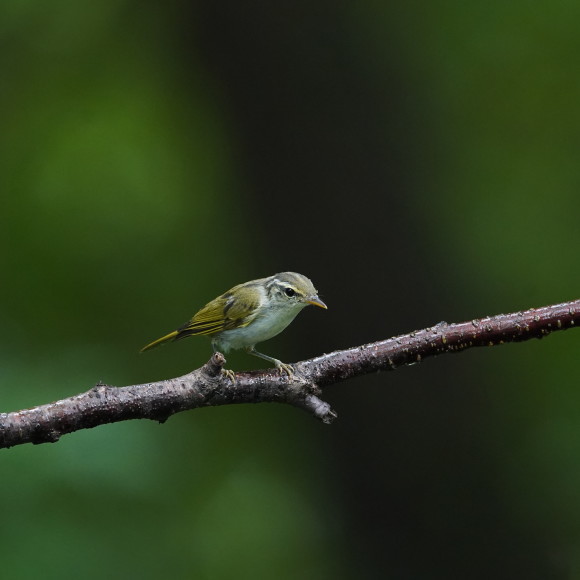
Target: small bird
(250, 313)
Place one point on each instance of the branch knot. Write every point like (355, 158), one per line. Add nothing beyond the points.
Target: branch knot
(213, 367)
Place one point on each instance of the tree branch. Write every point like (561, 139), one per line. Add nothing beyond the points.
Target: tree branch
(209, 386)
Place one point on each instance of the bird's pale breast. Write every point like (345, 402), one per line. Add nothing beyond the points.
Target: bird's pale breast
(267, 324)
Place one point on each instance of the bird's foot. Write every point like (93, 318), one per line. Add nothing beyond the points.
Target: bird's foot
(230, 375)
(285, 369)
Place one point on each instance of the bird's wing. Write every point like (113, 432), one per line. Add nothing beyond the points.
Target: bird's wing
(223, 313)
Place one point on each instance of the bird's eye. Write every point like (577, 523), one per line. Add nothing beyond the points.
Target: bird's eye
(290, 292)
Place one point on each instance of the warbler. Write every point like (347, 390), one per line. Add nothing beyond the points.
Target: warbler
(250, 313)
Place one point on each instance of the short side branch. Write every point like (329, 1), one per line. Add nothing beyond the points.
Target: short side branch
(209, 386)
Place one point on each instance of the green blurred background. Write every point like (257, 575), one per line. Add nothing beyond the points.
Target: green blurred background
(420, 161)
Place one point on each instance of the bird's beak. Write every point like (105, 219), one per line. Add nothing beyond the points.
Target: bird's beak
(315, 301)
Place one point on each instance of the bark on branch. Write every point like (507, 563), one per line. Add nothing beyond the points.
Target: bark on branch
(209, 386)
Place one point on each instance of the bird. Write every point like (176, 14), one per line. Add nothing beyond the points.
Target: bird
(248, 314)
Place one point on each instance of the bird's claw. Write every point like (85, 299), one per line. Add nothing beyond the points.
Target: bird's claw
(283, 368)
(230, 375)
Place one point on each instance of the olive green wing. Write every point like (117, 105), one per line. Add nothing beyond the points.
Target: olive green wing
(234, 309)
(208, 320)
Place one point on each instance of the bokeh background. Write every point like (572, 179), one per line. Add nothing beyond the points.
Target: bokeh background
(420, 161)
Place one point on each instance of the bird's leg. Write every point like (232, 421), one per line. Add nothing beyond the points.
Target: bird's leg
(282, 367)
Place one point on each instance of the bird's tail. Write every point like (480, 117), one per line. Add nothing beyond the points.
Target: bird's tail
(163, 339)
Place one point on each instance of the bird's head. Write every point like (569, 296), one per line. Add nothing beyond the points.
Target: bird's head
(290, 289)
